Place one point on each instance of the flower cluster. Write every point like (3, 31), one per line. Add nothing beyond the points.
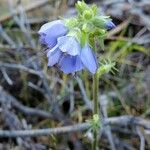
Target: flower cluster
(69, 41)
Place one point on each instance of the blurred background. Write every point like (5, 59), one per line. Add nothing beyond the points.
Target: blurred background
(33, 96)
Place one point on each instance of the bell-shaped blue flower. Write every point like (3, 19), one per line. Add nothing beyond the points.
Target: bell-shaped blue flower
(70, 57)
(49, 32)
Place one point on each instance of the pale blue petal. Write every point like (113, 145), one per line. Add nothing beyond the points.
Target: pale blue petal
(50, 41)
(46, 26)
(54, 28)
(69, 45)
(66, 64)
(53, 56)
(79, 65)
(49, 32)
(70, 64)
(88, 59)
(46, 40)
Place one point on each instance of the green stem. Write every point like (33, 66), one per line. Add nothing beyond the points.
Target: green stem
(95, 93)
(96, 107)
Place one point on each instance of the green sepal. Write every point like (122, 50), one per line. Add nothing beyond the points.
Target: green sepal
(100, 21)
(88, 14)
(101, 43)
(83, 38)
(106, 67)
(94, 9)
(71, 23)
(76, 32)
(101, 39)
(81, 6)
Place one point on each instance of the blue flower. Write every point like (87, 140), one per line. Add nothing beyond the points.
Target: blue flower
(65, 51)
(49, 32)
(110, 25)
(70, 57)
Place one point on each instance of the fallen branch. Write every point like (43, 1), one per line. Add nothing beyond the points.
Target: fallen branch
(41, 132)
(128, 120)
(123, 121)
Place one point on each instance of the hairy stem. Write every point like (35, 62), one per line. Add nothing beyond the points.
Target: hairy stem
(96, 107)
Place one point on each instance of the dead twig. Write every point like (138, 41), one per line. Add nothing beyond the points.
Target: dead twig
(107, 129)
(6, 37)
(120, 121)
(41, 132)
(29, 8)
(10, 101)
(20, 67)
(85, 98)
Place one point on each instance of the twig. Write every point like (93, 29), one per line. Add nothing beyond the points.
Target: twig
(85, 98)
(107, 129)
(121, 121)
(22, 22)
(20, 67)
(128, 120)
(13, 123)
(29, 8)
(46, 132)
(30, 84)
(9, 100)
(142, 139)
(4, 35)
(119, 27)
(7, 78)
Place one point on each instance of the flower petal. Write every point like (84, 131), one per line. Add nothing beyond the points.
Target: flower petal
(54, 56)
(69, 45)
(70, 64)
(79, 65)
(49, 32)
(55, 28)
(50, 41)
(46, 40)
(88, 59)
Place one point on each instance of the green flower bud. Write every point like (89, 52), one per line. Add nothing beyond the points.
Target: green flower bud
(87, 14)
(71, 23)
(81, 6)
(95, 123)
(94, 9)
(105, 68)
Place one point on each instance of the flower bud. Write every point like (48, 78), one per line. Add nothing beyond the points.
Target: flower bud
(87, 14)
(110, 25)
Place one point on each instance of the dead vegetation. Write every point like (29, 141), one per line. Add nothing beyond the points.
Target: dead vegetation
(42, 109)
